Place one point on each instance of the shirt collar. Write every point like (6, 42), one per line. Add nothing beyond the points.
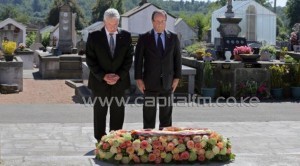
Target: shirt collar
(156, 34)
(107, 33)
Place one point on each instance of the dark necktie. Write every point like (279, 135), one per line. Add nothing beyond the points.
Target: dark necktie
(160, 45)
(111, 44)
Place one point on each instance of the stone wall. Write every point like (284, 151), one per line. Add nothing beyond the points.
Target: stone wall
(12, 72)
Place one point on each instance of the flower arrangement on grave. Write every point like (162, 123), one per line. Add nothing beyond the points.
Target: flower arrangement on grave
(21, 47)
(277, 73)
(207, 56)
(199, 53)
(241, 50)
(252, 88)
(171, 145)
(9, 47)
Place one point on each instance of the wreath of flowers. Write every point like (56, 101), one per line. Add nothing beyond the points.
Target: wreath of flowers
(171, 145)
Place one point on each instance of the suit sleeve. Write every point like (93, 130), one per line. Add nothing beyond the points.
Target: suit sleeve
(177, 59)
(123, 71)
(92, 60)
(139, 59)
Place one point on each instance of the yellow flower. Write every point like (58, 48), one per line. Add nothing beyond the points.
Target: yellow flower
(9, 47)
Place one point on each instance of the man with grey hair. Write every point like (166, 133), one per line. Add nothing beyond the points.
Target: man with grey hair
(109, 57)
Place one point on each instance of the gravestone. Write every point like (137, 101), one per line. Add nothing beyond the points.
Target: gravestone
(65, 43)
(36, 46)
(259, 75)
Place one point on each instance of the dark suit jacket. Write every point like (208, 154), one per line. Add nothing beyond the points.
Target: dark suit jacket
(151, 66)
(101, 62)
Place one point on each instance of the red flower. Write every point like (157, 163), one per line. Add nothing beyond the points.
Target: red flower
(198, 145)
(156, 144)
(185, 155)
(105, 146)
(123, 145)
(144, 144)
(152, 157)
(242, 50)
(201, 157)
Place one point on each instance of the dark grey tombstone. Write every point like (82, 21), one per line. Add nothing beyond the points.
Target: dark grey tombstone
(65, 42)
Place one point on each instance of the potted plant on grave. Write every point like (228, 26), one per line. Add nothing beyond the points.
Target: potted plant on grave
(267, 53)
(252, 88)
(199, 53)
(208, 90)
(295, 89)
(277, 73)
(225, 89)
(244, 53)
(9, 48)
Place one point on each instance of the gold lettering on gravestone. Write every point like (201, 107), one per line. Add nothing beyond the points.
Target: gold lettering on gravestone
(226, 66)
(213, 65)
(252, 65)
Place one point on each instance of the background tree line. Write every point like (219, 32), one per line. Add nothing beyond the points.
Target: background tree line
(196, 13)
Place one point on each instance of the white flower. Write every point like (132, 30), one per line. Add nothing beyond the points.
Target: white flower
(175, 141)
(216, 150)
(203, 143)
(205, 137)
(113, 150)
(223, 151)
(209, 154)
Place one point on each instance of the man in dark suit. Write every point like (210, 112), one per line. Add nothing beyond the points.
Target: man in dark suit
(157, 70)
(109, 57)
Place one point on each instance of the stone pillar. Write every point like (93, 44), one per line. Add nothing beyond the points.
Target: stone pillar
(65, 43)
(229, 25)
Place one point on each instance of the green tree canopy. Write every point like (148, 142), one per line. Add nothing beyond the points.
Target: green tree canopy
(102, 5)
(9, 11)
(292, 11)
(53, 16)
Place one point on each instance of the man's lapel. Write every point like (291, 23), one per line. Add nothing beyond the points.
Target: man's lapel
(152, 42)
(105, 42)
(167, 42)
(119, 38)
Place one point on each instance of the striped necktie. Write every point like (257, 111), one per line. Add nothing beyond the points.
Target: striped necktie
(112, 44)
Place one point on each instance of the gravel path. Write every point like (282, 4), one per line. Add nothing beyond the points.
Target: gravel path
(41, 92)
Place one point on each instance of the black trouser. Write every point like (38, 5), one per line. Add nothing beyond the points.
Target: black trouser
(151, 98)
(116, 111)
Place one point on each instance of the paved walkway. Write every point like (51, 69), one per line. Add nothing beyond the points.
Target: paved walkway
(264, 135)
(54, 131)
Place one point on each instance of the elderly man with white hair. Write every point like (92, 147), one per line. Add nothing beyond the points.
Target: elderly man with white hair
(109, 57)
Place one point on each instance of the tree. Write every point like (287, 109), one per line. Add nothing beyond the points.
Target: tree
(99, 9)
(8, 11)
(17, 1)
(102, 5)
(36, 6)
(222, 2)
(53, 16)
(292, 11)
(119, 6)
(196, 21)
